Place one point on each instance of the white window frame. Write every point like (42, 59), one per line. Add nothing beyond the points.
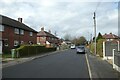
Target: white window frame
(16, 31)
(31, 33)
(1, 27)
(16, 43)
(21, 31)
(6, 44)
(22, 42)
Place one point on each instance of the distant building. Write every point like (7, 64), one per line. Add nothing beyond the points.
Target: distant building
(47, 39)
(14, 33)
(110, 37)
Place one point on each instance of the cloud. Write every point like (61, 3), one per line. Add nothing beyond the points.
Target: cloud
(72, 17)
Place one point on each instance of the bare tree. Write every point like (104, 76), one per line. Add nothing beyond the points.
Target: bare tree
(67, 37)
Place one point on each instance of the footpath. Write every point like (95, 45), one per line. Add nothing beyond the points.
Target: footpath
(101, 69)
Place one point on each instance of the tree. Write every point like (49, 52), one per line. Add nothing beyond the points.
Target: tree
(99, 36)
(82, 40)
(79, 41)
(67, 37)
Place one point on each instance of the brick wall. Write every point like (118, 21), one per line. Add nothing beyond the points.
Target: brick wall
(9, 36)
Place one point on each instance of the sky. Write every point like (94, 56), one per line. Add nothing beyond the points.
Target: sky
(65, 17)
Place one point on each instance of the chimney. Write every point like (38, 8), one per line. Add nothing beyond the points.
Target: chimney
(42, 29)
(49, 31)
(20, 20)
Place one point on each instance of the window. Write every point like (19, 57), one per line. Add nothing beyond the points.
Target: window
(16, 31)
(31, 34)
(16, 43)
(6, 42)
(21, 32)
(22, 42)
(1, 28)
(30, 42)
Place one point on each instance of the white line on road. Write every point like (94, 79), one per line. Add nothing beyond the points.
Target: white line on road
(89, 70)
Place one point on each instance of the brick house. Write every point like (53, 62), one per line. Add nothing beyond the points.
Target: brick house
(110, 37)
(48, 39)
(14, 33)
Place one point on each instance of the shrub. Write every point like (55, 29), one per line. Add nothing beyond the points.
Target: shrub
(29, 50)
(92, 47)
(99, 47)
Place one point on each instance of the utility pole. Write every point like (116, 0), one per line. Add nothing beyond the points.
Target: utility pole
(94, 17)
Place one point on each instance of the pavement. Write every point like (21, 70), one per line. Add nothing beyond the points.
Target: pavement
(13, 61)
(101, 68)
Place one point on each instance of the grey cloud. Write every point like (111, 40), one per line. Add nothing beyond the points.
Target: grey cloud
(74, 18)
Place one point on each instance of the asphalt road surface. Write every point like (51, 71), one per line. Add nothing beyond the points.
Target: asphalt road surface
(65, 64)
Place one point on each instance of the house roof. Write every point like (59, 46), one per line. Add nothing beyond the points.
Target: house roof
(47, 34)
(14, 23)
(110, 36)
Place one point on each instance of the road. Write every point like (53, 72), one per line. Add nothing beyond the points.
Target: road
(65, 64)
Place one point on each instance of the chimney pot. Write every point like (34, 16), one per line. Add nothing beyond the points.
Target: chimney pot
(49, 31)
(42, 29)
(20, 20)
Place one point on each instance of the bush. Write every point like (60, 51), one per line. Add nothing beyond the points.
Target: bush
(99, 47)
(29, 50)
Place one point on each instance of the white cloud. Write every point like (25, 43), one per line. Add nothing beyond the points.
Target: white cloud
(74, 18)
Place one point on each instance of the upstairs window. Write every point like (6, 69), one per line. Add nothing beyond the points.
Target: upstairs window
(21, 32)
(16, 31)
(31, 33)
(1, 27)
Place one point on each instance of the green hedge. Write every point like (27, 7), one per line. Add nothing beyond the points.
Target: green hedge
(99, 47)
(29, 50)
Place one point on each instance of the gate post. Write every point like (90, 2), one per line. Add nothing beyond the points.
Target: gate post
(103, 49)
(118, 46)
(113, 58)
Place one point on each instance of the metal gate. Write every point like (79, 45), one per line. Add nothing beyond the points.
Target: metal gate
(109, 46)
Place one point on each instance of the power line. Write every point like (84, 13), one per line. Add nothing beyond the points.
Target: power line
(97, 6)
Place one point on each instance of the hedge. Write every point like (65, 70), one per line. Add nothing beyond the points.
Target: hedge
(99, 47)
(29, 50)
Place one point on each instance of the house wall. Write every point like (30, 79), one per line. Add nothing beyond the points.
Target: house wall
(41, 40)
(9, 36)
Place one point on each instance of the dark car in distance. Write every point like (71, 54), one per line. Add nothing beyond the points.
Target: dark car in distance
(80, 49)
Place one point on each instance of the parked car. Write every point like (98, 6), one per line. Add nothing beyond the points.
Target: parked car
(72, 46)
(80, 49)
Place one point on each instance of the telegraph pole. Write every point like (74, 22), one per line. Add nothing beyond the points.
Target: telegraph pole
(94, 17)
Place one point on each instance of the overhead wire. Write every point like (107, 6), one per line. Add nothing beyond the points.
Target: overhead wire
(98, 5)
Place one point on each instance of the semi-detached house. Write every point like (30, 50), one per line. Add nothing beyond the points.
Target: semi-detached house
(47, 39)
(14, 33)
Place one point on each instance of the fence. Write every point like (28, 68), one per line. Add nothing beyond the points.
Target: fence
(116, 60)
(108, 46)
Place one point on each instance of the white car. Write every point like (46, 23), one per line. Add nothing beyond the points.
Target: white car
(80, 49)
(72, 46)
